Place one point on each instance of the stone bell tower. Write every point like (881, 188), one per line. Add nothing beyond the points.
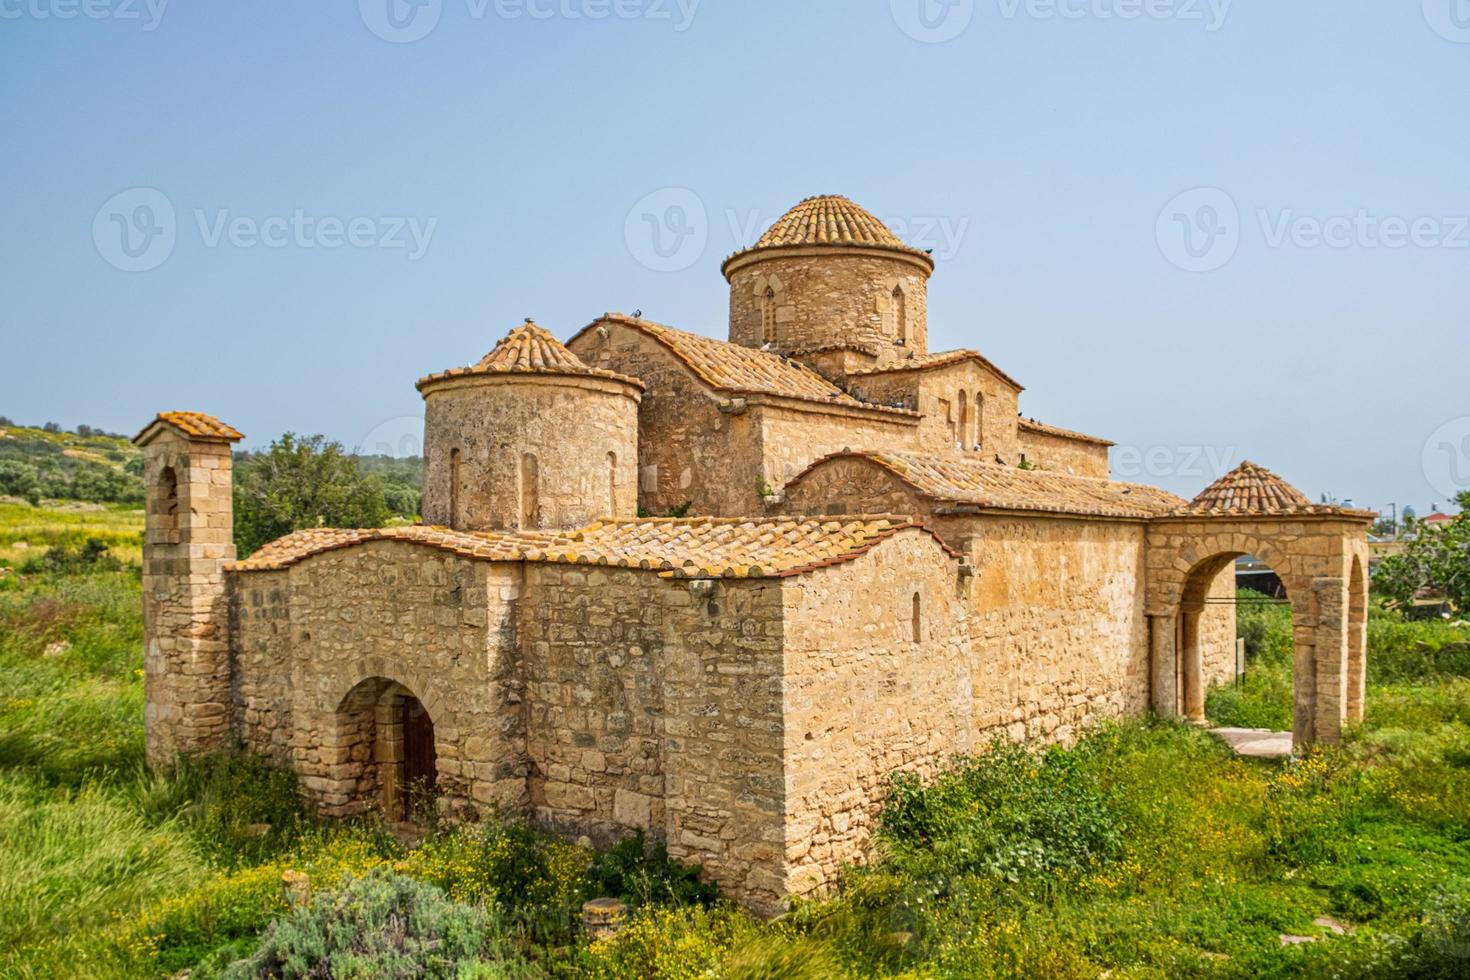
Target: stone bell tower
(187, 464)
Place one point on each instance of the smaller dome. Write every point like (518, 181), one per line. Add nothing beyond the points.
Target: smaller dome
(529, 349)
(1250, 489)
(829, 220)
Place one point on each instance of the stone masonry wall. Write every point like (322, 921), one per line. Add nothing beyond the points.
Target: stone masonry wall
(879, 701)
(439, 625)
(936, 393)
(651, 707)
(689, 452)
(831, 295)
(1057, 627)
(594, 642)
(583, 433)
(189, 539)
(791, 440)
(1054, 452)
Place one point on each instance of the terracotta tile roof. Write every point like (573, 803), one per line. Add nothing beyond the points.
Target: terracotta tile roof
(1032, 425)
(528, 349)
(196, 425)
(929, 362)
(697, 547)
(829, 220)
(977, 483)
(733, 369)
(1254, 490)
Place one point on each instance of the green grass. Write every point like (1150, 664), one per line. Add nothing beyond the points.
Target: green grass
(1145, 851)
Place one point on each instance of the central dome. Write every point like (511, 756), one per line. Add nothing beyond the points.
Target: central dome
(829, 220)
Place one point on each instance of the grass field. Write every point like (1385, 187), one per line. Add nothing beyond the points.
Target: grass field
(1146, 851)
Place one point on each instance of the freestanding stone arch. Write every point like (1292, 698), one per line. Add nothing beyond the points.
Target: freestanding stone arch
(1319, 552)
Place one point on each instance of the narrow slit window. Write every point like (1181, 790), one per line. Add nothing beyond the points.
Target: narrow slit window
(918, 620)
(768, 316)
(454, 480)
(612, 484)
(900, 315)
(530, 486)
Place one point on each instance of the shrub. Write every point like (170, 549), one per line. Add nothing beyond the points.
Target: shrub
(1015, 814)
(644, 874)
(70, 559)
(382, 925)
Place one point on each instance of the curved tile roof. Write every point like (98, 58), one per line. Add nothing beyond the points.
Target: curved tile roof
(977, 483)
(528, 349)
(930, 362)
(734, 369)
(1031, 425)
(196, 425)
(695, 547)
(829, 219)
(1252, 490)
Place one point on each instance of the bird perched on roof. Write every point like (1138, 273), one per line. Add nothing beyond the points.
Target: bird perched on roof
(1000, 461)
(766, 346)
(637, 314)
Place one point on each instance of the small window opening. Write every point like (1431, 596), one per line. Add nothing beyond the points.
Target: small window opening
(530, 479)
(612, 484)
(900, 315)
(918, 621)
(768, 316)
(168, 511)
(454, 519)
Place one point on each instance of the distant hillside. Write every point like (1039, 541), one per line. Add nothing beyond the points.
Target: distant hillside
(47, 463)
(88, 464)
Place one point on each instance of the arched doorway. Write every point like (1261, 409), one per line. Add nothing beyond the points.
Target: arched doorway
(1206, 632)
(388, 740)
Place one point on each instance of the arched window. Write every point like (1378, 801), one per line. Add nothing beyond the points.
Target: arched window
(530, 485)
(979, 419)
(964, 430)
(612, 484)
(454, 520)
(768, 315)
(918, 621)
(168, 499)
(900, 315)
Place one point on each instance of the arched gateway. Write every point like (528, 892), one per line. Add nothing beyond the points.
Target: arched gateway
(1318, 551)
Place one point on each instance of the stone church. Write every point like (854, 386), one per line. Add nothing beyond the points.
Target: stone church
(883, 564)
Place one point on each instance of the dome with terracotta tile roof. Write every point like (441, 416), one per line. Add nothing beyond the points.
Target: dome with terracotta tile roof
(528, 349)
(1250, 489)
(829, 220)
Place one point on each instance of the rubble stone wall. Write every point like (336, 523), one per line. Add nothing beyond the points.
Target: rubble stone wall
(895, 696)
(827, 295)
(479, 431)
(1049, 451)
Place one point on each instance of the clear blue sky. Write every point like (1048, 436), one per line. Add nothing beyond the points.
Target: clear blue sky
(1049, 146)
